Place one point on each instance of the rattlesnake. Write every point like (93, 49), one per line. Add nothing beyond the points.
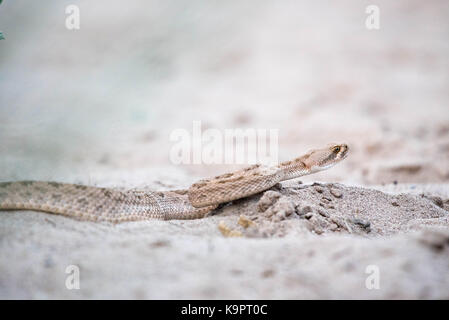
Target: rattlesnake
(105, 204)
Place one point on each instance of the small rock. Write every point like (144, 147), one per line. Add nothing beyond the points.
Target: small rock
(283, 208)
(305, 210)
(245, 222)
(342, 224)
(319, 189)
(268, 199)
(226, 231)
(394, 203)
(336, 193)
(323, 213)
(277, 186)
(333, 227)
(360, 222)
(438, 201)
(308, 215)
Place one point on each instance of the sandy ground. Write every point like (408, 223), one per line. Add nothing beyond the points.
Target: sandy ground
(294, 247)
(97, 106)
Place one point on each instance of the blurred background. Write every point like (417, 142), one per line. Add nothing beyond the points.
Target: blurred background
(86, 105)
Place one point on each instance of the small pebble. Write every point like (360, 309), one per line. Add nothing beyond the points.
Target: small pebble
(244, 222)
(268, 199)
(364, 224)
(438, 201)
(277, 186)
(319, 189)
(305, 210)
(323, 213)
(336, 193)
(226, 231)
(308, 215)
(394, 203)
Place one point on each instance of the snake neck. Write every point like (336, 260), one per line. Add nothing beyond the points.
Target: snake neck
(294, 169)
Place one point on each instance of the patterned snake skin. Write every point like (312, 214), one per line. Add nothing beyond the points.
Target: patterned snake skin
(105, 204)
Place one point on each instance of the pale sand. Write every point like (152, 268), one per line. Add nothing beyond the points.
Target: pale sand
(323, 253)
(97, 106)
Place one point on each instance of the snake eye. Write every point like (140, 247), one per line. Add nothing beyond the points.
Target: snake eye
(337, 149)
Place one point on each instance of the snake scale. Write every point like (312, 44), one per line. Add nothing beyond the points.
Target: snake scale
(106, 204)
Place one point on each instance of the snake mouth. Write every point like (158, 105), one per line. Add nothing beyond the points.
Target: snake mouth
(344, 151)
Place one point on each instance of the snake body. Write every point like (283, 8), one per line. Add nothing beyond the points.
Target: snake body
(106, 204)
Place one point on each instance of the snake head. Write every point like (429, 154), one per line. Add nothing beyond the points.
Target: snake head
(327, 157)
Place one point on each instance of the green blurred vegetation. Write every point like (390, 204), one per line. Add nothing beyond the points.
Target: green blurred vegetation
(1, 33)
